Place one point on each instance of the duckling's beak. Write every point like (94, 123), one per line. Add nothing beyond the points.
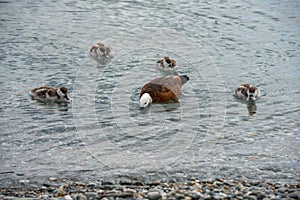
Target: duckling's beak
(67, 98)
(251, 97)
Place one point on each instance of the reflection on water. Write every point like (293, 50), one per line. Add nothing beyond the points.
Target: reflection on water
(251, 108)
(102, 132)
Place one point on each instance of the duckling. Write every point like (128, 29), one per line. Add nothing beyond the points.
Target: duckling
(247, 92)
(100, 50)
(166, 63)
(46, 93)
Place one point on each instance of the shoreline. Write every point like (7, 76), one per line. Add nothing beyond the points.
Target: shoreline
(223, 188)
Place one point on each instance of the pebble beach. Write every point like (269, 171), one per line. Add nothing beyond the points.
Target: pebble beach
(154, 190)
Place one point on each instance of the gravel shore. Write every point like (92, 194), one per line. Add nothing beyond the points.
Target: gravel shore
(191, 189)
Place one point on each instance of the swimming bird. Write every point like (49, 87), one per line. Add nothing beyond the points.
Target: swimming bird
(46, 93)
(247, 92)
(162, 90)
(166, 63)
(100, 50)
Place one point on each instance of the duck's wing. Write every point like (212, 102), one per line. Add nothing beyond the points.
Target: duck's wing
(173, 83)
(163, 89)
(241, 92)
(40, 91)
(159, 93)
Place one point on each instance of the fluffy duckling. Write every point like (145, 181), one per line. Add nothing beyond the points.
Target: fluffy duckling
(46, 93)
(247, 92)
(100, 50)
(166, 63)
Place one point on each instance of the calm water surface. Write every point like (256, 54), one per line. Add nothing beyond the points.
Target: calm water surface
(103, 133)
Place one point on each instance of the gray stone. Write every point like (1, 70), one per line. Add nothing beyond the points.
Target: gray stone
(52, 179)
(67, 197)
(281, 190)
(24, 181)
(44, 197)
(91, 195)
(293, 195)
(220, 196)
(153, 195)
(129, 190)
(154, 183)
(126, 194)
(179, 196)
(9, 198)
(282, 196)
(207, 196)
(79, 197)
(261, 196)
(250, 197)
(195, 195)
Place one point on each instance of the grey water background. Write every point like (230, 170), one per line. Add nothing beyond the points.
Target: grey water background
(104, 134)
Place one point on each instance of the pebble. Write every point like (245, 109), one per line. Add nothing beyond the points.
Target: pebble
(293, 195)
(261, 196)
(24, 181)
(79, 197)
(52, 179)
(91, 195)
(67, 197)
(153, 195)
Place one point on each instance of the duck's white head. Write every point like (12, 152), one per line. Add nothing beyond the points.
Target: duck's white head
(145, 100)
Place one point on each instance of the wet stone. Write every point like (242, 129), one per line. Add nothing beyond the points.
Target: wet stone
(108, 183)
(79, 197)
(154, 195)
(44, 197)
(137, 183)
(122, 182)
(52, 179)
(293, 195)
(250, 197)
(126, 194)
(154, 183)
(9, 198)
(67, 197)
(281, 190)
(91, 195)
(261, 196)
(92, 185)
(282, 196)
(179, 196)
(195, 195)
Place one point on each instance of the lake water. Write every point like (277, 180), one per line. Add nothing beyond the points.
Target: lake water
(102, 133)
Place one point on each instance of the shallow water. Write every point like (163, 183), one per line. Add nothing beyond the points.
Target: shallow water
(103, 133)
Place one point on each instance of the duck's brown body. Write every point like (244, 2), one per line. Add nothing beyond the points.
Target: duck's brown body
(165, 89)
